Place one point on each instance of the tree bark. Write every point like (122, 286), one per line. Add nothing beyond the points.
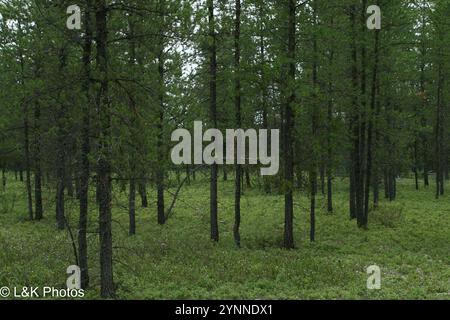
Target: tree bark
(314, 129)
(213, 117)
(132, 207)
(288, 129)
(85, 149)
(26, 138)
(61, 152)
(143, 194)
(370, 129)
(37, 162)
(104, 165)
(238, 168)
(160, 143)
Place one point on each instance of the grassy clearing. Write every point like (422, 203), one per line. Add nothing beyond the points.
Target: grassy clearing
(409, 239)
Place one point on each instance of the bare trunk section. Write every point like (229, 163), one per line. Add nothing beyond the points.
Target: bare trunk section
(104, 165)
(237, 63)
(288, 130)
(371, 128)
(37, 162)
(213, 117)
(354, 126)
(132, 207)
(314, 130)
(160, 143)
(26, 138)
(61, 152)
(329, 165)
(142, 188)
(83, 192)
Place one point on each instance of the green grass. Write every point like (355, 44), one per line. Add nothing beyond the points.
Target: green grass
(408, 239)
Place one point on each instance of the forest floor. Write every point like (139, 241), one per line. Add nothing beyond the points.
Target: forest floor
(408, 239)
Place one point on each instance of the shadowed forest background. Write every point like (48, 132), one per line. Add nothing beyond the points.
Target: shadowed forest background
(85, 140)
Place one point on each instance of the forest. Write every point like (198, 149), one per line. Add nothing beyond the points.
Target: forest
(92, 93)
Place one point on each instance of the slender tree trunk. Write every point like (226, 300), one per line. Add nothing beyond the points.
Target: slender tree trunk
(439, 135)
(264, 104)
(134, 131)
(213, 116)
(132, 207)
(424, 99)
(322, 179)
(37, 162)
(85, 149)
(393, 187)
(27, 167)
(160, 147)
(143, 194)
(238, 169)
(26, 141)
(3, 179)
(61, 178)
(104, 165)
(416, 165)
(371, 128)
(69, 183)
(387, 182)
(188, 175)
(354, 126)
(362, 175)
(329, 164)
(376, 171)
(314, 129)
(248, 180)
(225, 173)
(288, 130)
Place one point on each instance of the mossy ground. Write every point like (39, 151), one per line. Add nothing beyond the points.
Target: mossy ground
(409, 239)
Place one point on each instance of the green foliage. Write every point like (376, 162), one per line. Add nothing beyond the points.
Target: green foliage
(177, 261)
(159, 79)
(390, 216)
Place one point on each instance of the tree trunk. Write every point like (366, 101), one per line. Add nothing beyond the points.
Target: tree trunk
(371, 128)
(213, 117)
(37, 162)
(160, 141)
(314, 129)
(362, 175)
(132, 207)
(322, 180)
(26, 141)
(61, 178)
(288, 130)
(354, 125)
(104, 165)
(238, 169)
(70, 188)
(85, 149)
(423, 92)
(27, 168)
(329, 164)
(248, 180)
(143, 194)
(376, 171)
(188, 175)
(3, 179)
(439, 136)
